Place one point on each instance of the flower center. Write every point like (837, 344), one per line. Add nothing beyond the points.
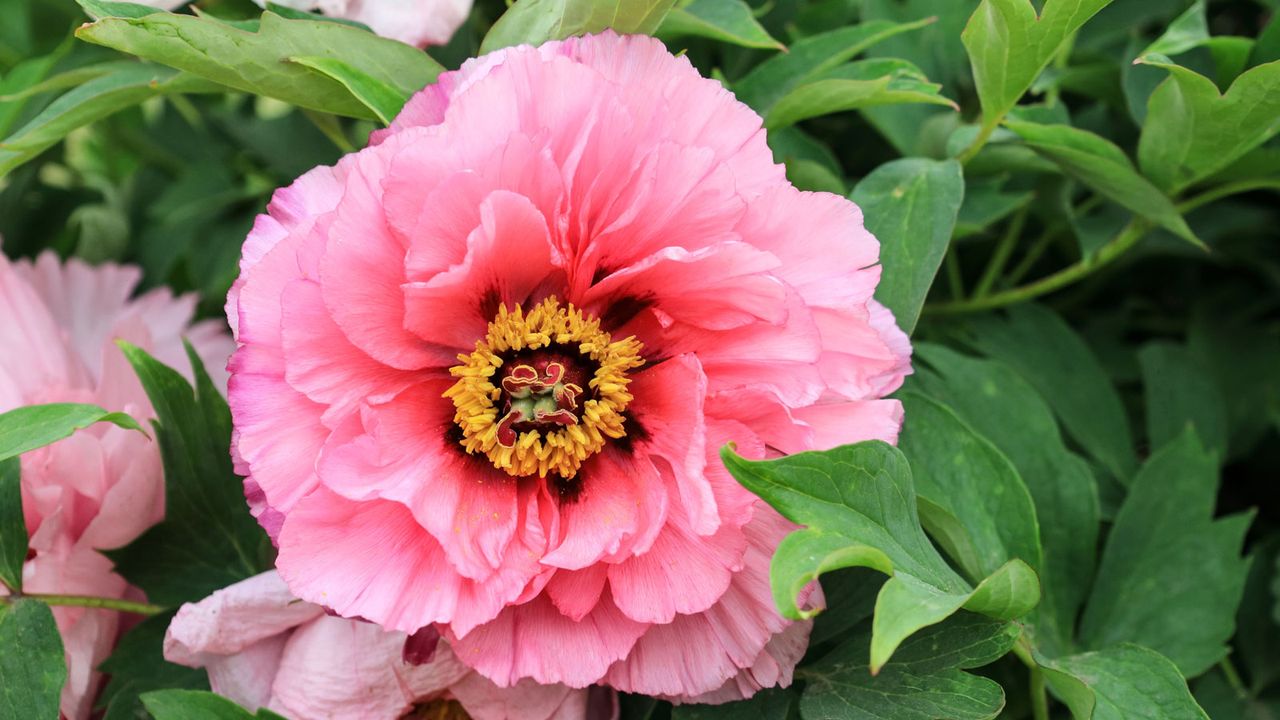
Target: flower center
(543, 390)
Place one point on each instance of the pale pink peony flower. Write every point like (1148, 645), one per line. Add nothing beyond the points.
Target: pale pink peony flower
(103, 486)
(264, 648)
(486, 365)
(416, 22)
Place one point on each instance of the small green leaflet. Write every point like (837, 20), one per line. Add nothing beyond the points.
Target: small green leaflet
(32, 669)
(34, 426)
(1122, 683)
(728, 21)
(534, 22)
(13, 527)
(855, 86)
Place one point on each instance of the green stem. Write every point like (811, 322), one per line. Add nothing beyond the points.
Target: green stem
(1233, 678)
(954, 279)
(1039, 698)
(1119, 245)
(89, 601)
(332, 129)
(1226, 190)
(978, 142)
(1000, 257)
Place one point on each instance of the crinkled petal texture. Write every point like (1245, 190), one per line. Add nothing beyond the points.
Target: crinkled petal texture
(264, 648)
(605, 173)
(103, 486)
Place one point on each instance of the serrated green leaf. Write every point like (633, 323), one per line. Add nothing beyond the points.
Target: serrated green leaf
(1180, 392)
(384, 100)
(34, 426)
(729, 21)
(1194, 131)
(924, 682)
(13, 527)
(92, 101)
(858, 503)
(1050, 356)
(137, 665)
(772, 79)
(1125, 682)
(256, 62)
(207, 540)
(910, 205)
(1143, 593)
(971, 486)
(1103, 166)
(32, 669)
(995, 401)
(855, 86)
(192, 705)
(1008, 46)
(534, 22)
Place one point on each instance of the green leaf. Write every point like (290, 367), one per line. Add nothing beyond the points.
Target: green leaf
(996, 402)
(137, 665)
(1122, 683)
(1101, 165)
(1194, 131)
(92, 101)
(1189, 30)
(1051, 357)
(768, 704)
(729, 21)
(192, 705)
(98, 9)
(13, 87)
(32, 669)
(385, 101)
(534, 22)
(257, 62)
(1171, 576)
(34, 426)
(772, 79)
(910, 205)
(13, 527)
(854, 86)
(985, 204)
(858, 502)
(1180, 392)
(1009, 45)
(207, 540)
(924, 682)
(970, 496)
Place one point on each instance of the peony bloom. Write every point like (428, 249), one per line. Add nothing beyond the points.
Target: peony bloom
(103, 486)
(416, 22)
(264, 648)
(485, 366)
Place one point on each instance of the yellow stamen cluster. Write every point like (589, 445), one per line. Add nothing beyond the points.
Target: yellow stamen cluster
(477, 398)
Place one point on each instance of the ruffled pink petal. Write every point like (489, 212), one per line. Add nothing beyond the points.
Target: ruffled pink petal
(509, 256)
(402, 451)
(526, 700)
(338, 668)
(719, 287)
(234, 618)
(534, 640)
(276, 427)
(380, 564)
(696, 654)
(818, 237)
(858, 361)
(841, 423)
(774, 667)
(669, 414)
(363, 268)
(576, 592)
(617, 512)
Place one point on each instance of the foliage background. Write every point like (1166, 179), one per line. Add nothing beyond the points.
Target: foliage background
(1157, 325)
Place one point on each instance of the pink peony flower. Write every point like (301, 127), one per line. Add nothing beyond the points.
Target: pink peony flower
(264, 648)
(486, 364)
(103, 486)
(416, 22)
